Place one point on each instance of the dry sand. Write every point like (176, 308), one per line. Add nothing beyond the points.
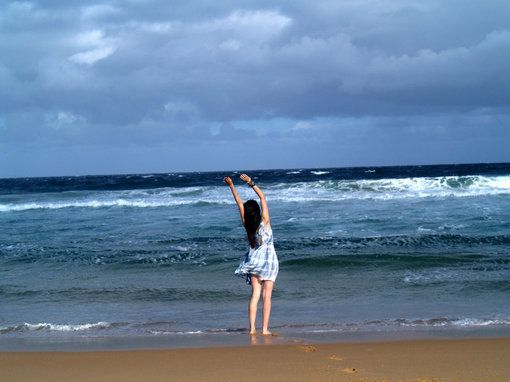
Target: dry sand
(418, 360)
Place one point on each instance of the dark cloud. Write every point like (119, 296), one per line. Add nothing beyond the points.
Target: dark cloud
(131, 75)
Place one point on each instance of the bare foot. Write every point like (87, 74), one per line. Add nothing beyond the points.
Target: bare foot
(268, 333)
(253, 332)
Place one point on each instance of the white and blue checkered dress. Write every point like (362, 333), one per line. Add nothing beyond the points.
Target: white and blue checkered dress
(261, 260)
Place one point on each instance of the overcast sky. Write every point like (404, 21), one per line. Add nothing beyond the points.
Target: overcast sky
(152, 85)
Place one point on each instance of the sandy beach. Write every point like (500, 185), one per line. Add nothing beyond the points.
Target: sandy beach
(417, 360)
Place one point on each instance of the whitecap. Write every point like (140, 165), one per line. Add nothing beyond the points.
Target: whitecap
(136, 203)
(475, 322)
(167, 332)
(453, 322)
(287, 192)
(43, 326)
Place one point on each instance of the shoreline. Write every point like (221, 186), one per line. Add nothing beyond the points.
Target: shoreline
(399, 360)
(67, 342)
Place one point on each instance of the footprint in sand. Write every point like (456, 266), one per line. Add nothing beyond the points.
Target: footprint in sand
(307, 348)
(349, 370)
(335, 358)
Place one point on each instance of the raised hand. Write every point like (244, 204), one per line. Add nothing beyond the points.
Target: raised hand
(245, 178)
(228, 181)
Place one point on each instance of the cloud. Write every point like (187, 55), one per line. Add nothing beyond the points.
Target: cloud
(153, 72)
(96, 11)
(90, 57)
(102, 47)
(64, 119)
(254, 26)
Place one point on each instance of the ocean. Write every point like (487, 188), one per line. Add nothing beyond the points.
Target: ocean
(361, 250)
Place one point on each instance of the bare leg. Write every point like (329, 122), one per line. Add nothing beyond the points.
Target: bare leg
(254, 301)
(267, 290)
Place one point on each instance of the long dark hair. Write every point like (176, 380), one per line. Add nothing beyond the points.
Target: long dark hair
(251, 220)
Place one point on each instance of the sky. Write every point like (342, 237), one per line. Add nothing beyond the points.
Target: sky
(139, 86)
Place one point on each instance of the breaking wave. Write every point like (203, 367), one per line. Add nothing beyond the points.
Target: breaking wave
(322, 190)
(43, 326)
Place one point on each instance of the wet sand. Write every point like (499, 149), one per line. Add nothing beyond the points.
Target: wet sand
(417, 360)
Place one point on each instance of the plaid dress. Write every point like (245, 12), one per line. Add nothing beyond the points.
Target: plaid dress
(261, 260)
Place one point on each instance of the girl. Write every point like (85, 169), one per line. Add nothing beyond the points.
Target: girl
(260, 265)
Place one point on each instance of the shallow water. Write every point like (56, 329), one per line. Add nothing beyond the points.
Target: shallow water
(361, 250)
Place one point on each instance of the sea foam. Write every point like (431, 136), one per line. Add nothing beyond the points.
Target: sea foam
(295, 192)
(43, 326)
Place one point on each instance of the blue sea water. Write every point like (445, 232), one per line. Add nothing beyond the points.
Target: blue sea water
(360, 249)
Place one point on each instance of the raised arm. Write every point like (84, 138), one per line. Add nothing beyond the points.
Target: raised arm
(236, 196)
(262, 197)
